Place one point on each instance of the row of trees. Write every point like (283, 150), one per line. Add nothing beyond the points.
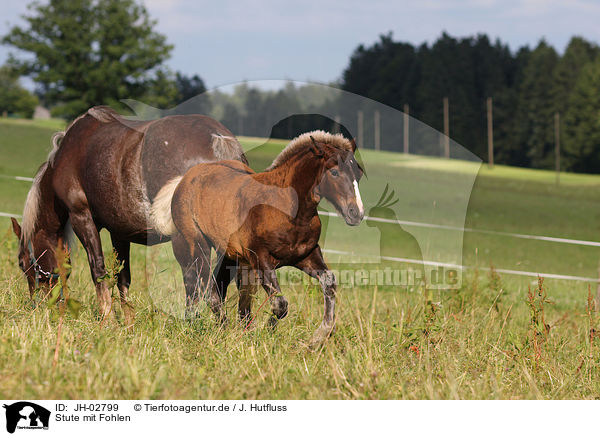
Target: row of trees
(90, 52)
(528, 87)
(247, 109)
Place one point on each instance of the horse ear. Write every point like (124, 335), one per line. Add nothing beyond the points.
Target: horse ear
(16, 227)
(353, 143)
(314, 147)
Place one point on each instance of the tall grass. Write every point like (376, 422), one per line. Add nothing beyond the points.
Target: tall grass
(481, 341)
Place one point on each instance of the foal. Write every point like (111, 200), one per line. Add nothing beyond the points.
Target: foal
(267, 220)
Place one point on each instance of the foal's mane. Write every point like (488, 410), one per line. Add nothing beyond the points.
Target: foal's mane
(300, 143)
(31, 210)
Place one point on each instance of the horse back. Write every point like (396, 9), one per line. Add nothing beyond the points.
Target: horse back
(174, 144)
(115, 167)
(225, 203)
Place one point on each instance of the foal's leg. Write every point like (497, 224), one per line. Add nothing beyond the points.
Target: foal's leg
(246, 284)
(87, 232)
(224, 274)
(279, 304)
(194, 259)
(124, 277)
(268, 279)
(315, 266)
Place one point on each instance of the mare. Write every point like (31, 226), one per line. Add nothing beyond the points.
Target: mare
(105, 171)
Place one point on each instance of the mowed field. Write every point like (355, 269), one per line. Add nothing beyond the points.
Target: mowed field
(497, 336)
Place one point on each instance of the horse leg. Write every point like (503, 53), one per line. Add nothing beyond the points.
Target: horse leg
(268, 279)
(87, 232)
(246, 284)
(124, 277)
(224, 274)
(315, 266)
(194, 259)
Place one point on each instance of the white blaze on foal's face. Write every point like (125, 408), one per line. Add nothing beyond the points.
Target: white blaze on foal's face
(359, 202)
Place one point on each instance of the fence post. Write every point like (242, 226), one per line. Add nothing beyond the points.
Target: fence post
(598, 288)
(336, 127)
(406, 109)
(446, 129)
(490, 132)
(360, 129)
(557, 146)
(377, 121)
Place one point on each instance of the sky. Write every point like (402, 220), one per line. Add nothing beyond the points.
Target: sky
(226, 42)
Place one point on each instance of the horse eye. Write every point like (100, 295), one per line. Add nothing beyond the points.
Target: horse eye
(335, 172)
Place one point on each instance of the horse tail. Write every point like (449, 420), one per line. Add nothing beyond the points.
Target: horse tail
(160, 211)
(103, 114)
(227, 148)
(56, 140)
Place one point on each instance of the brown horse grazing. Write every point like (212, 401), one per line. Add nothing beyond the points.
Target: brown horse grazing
(104, 172)
(264, 220)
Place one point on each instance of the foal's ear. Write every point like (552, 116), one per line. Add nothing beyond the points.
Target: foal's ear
(353, 143)
(16, 227)
(314, 147)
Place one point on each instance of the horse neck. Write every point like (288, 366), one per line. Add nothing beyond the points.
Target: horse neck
(301, 174)
(48, 226)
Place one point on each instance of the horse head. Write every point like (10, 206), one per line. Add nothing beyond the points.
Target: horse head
(339, 181)
(37, 258)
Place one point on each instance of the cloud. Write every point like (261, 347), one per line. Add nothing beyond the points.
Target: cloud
(228, 41)
(163, 5)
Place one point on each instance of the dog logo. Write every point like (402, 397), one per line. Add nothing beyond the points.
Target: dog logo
(26, 415)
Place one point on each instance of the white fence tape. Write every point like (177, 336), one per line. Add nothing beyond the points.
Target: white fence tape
(418, 224)
(10, 215)
(469, 230)
(463, 267)
(20, 178)
(436, 226)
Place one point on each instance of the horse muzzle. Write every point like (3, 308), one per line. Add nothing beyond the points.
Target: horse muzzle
(353, 215)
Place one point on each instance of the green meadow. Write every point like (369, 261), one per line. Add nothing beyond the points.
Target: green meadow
(495, 336)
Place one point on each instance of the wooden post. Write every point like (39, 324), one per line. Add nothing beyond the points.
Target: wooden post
(598, 288)
(360, 129)
(446, 129)
(406, 109)
(338, 121)
(557, 146)
(377, 121)
(490, 132)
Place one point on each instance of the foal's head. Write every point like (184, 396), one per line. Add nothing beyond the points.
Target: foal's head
(325, 165)
(339, 181)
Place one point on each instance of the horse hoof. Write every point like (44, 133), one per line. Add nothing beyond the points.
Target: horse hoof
(222, 321)
(319, 337)
(129, 315)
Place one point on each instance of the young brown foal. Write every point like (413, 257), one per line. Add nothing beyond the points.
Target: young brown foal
(266, 220)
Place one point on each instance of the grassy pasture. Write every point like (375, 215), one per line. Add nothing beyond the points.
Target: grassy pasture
(488, 339)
